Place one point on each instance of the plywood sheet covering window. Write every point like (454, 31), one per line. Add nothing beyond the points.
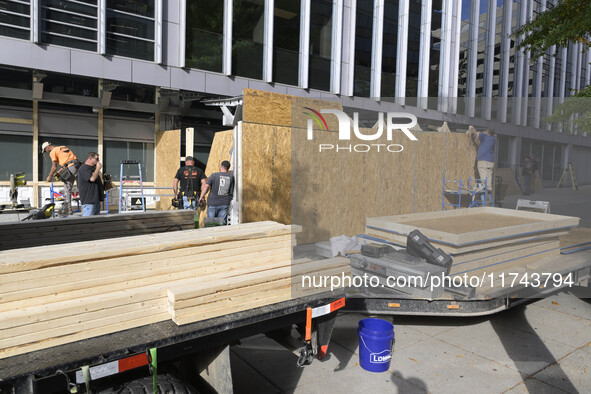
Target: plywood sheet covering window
(168, 153)
(266, 152)
(221, 148)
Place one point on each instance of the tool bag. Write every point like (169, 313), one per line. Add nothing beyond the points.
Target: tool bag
(65, 175)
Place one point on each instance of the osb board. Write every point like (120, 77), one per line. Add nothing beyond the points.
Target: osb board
(469, 223)
(508, 179)
(576, 236)
(223, 143)
(283, 110)
(460, 162)
(429, 172)
(168, 153)
(266, 173)
(403, 224)
(400, 240)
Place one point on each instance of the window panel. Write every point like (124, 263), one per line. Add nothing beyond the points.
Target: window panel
(69, 23)
(320, 44)
(205, 35)
(414, 45)
(247, 38)
(116, 151)
(286, 41)
(14, 19)
(80, 147)
(16, 155)
(130, 28)
(389, 48)
(363, 44)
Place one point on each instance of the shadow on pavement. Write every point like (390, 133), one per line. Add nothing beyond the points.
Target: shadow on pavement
(535, 350)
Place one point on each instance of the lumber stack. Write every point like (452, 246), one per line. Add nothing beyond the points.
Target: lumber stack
(58, 294)
(197, 300)
(15, 235)
(481, 240)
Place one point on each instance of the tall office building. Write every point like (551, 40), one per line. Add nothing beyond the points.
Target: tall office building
(105, 75)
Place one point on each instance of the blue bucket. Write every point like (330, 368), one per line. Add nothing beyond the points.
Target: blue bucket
(376, 338)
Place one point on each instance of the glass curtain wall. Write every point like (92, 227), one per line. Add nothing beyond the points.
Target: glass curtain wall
(116, 151)
(435, 52)
(363, 46)
(16, 155)
(205, 34)
(80, 147)
(414, 45)
(248, 32)
(15, 19)
(130, 28)
(69, 23)
(464, 56)
(389, 48)
(320, 44)
(286, 41)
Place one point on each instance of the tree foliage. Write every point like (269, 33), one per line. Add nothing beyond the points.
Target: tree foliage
(568, 20)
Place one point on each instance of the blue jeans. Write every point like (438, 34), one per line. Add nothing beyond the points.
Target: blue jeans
(91, 209)
(526, 179)
(189, 204)
(221, 211)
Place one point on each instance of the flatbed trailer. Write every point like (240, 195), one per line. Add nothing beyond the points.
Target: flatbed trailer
(61, 369)
(574, 268)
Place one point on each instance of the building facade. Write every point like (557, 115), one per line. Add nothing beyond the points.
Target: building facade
(106, 75)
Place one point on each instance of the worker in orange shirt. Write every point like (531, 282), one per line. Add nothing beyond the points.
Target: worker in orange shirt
(63, 156)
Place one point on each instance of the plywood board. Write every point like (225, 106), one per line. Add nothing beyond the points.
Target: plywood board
(576, 237)
(504, 226)
(167, 162)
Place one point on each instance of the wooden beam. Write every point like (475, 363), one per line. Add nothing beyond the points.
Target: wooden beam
(16, 120)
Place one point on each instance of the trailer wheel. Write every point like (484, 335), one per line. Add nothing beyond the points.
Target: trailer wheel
(167, 384)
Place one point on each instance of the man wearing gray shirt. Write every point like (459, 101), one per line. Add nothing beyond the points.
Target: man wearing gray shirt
(222, 189)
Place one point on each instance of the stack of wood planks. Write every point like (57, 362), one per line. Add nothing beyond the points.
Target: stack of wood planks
(15, 235)
(481, 240)
(63, 293)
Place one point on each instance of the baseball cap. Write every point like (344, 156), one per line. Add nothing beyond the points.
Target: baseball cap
(189, 158)
(226, 164)
(45, 145)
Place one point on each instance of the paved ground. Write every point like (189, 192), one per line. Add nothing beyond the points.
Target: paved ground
(541, 347)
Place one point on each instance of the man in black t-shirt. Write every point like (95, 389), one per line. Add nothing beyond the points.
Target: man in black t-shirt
(222, 190)
(90, 185)
(191, 180)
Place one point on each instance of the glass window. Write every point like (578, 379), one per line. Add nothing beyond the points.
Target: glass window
(363, 44)
(389, 48)
(205, 34)
(497, 51)
(130, 28)
(69, 23)
(15, 19)
(414, 45)
(80, 147)
(503, 143)
(16, 155)
(286, 41)
(248, 32)
(435, 51)
(320, 44)
(464, 54)
(68, 84)
(116, 151)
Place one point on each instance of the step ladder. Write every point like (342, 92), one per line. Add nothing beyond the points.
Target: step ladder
(569, 170)
(134, 178)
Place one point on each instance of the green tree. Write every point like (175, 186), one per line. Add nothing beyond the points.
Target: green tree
(567, 21)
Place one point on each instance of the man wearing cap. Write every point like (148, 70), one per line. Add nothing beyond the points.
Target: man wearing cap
(222, 189)
(191, 180)
(63, 156)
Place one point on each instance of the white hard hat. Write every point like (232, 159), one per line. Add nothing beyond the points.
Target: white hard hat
(45, 145)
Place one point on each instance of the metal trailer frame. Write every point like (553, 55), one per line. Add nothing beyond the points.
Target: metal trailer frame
(54, 370)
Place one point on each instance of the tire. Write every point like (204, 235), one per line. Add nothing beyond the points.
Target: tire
(167, 384)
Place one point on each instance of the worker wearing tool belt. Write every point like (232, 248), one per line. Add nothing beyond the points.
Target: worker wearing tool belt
(486, 156)
(63, 156)
(187, 184)
(222, 189)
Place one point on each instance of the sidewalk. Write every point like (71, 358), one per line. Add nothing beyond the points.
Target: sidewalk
(541, 347)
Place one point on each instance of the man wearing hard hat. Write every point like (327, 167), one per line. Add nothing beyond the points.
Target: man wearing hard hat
(69, 163)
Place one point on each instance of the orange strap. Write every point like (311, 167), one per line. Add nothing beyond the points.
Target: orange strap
(308, 324)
